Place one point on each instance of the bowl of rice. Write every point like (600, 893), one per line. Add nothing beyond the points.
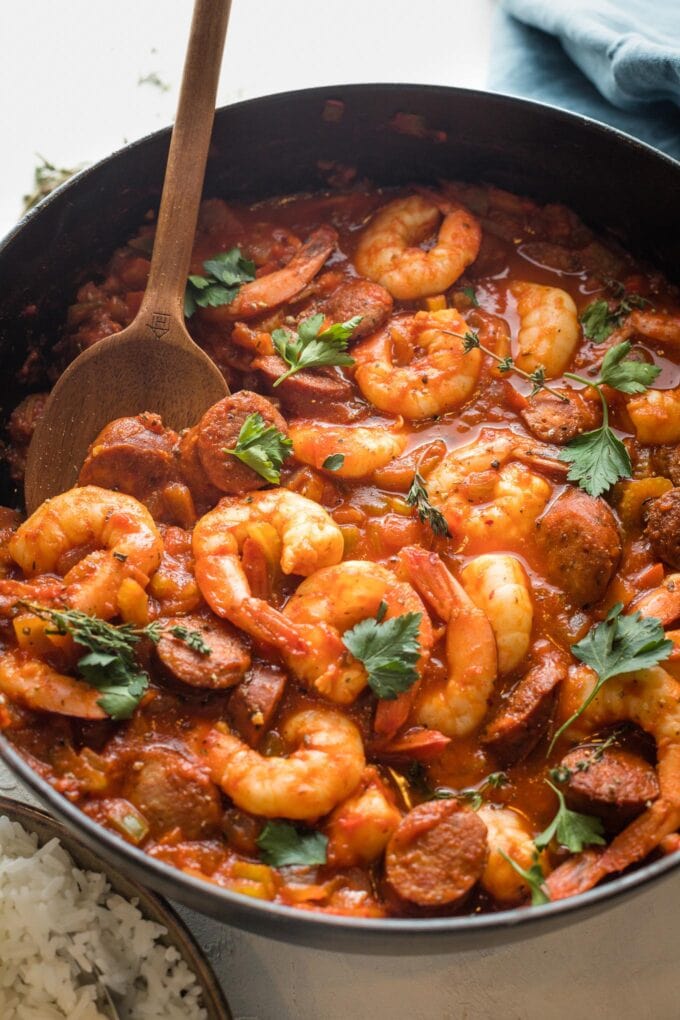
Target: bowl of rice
(67, 929)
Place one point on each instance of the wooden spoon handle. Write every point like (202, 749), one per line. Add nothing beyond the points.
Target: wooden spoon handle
(185, 170)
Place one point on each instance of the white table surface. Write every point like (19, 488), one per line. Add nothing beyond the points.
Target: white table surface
(69, 90)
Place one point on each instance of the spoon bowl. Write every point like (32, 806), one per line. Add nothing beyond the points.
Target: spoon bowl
(153, 364)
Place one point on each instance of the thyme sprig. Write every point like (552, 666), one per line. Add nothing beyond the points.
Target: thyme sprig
(471, 342)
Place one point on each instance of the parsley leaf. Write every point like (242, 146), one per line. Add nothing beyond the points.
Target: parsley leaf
(571, 829)
(418, 498)
(262, 447)
(533, 877)
(598, 459)
(619, 644)
(225, 273)
(471, 295)
(334, 462)
(309, 348)
(282, 844)
(109, 664)
(599, 320)
(627, 376)
(389, 650)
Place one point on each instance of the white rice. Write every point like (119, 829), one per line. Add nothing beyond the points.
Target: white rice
(56, 920)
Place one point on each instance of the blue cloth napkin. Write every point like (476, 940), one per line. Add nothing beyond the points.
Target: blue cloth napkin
(585, 57)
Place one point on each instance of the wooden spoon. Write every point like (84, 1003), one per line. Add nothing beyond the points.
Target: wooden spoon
(153, 364)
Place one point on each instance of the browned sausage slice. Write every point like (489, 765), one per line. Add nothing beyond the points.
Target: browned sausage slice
(253, 704)
(218, 430)
(524, 716)
(359, 297)
(555, 421)
(437, 853)
(579, 538)
(615, 785)
(227, 662)
(134, 455)
(663, 527)
(666, 461)
(173, 792)
(308, 394)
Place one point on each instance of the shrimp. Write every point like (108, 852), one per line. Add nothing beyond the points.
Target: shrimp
(332, 601)
(457, 708)
(655, 415)
(662, 329)
(549, 329)
(130, 545)
(275, 288)
(363, 448)
(498, 585)
(416, 367)
(31, 682)
(662, 602)
(324, 766)
(486, 495)
(508, 831)
(386, 252)
(651, 699)
(360, 828)
(308, 537)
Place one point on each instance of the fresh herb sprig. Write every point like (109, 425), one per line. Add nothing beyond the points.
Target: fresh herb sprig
(281, 844)
(473, 797)
(562, 773)
(225, 273)
(389, 650)
(599, 458)
(619, 644)
(599, 319)
(533, 877)
(193, 639)
(47, 177)
(472, 342)
(418, 497)
(471, 295)
(262, 447)
(570, 828)
(109, 664)
(310, 348)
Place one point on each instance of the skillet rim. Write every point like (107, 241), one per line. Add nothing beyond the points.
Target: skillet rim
(290, 923)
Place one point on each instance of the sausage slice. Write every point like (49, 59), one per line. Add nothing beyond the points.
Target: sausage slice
(663, 527)
(581, 546)
(173, 792)
(615, 785)
(253, 704)
(227, 662)
(308, 393)
(524, 716)
(217, 431)
(437, 853)
(555, 421)
(359, 297)
(134, 455)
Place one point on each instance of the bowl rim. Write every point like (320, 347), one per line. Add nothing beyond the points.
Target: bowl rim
(309, 923)
(177, 932)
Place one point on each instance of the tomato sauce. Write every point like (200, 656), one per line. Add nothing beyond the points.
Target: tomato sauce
(92, 762)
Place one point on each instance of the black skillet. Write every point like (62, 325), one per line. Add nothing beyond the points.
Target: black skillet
(392, 134)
